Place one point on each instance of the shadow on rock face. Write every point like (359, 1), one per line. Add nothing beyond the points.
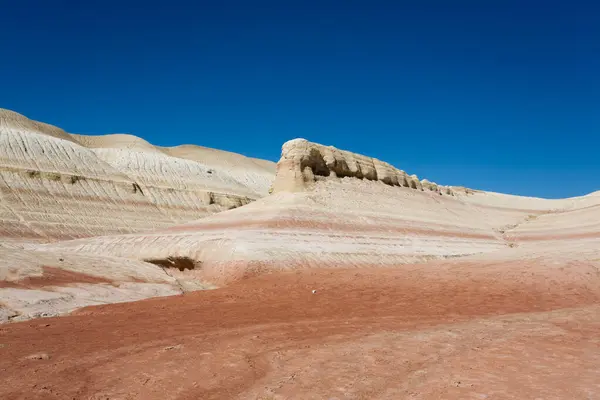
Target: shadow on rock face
(181, 263)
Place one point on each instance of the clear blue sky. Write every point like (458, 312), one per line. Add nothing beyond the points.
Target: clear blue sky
(500, 95)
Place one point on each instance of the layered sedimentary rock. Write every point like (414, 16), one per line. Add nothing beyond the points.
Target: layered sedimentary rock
(329, 209)
(332, 208)
(44, 283)
(303, 163)
(485, 294)
(56, 186)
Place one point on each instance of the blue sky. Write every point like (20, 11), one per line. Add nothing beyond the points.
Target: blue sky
(497, 95)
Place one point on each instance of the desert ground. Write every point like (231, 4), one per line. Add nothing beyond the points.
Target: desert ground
(132, 271)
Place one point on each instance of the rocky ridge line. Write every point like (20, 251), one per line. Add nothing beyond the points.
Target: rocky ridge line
(303, 163)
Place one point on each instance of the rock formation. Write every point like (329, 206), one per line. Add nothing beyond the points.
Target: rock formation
(302, 163)
(332, 208)
(329, 209)
(56, 186)
(482, 295)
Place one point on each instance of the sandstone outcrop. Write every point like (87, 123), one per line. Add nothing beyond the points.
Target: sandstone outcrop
(302, 163)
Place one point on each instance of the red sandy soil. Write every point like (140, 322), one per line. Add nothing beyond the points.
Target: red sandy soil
(405, 333)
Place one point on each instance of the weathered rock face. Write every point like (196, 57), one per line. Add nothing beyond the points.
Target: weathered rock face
(302, 163)
(515, 314)
(45, 283)
(332, 208)
(329, 209)
(56, 186)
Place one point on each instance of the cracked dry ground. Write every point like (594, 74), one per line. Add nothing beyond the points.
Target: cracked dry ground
(430, 331)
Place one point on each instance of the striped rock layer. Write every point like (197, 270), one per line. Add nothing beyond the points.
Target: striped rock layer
(349, 219)
(484, 295)
(303, 163)
(328, 209)
(57, 186)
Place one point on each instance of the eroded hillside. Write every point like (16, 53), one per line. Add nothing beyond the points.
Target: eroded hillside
(57, 186)
(321, 217)
(329, 208)
(387, 286)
